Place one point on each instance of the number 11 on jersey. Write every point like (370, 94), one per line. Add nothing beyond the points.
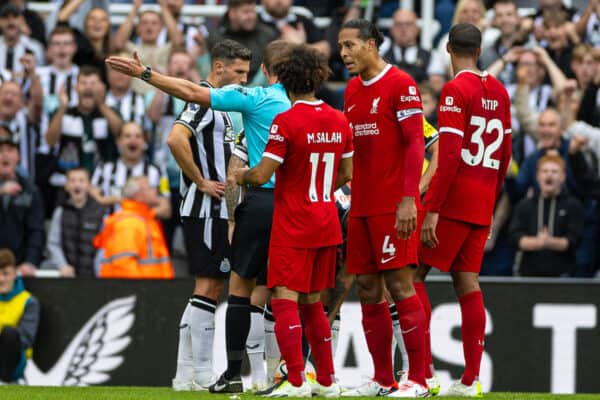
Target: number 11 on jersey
(328, 159)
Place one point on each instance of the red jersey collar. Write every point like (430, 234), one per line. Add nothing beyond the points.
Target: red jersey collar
(377, 77)
(482, 75)
(310, 103)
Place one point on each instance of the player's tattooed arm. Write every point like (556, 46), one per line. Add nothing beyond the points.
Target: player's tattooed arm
(232, 190)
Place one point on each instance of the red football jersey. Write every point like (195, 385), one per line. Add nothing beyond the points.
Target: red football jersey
(475, 148)
(378, 111)
(309, 140)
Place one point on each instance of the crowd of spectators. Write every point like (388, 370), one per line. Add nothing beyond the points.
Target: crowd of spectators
(72, 133)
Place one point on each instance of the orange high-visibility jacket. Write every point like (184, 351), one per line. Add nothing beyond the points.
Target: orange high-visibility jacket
(134, 245)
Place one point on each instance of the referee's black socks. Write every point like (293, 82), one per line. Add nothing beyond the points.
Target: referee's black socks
(237, 326)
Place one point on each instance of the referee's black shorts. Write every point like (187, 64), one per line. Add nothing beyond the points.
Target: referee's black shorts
(250, 244)
(207, 247)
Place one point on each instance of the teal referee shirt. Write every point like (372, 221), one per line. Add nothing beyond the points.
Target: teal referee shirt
(258, 106)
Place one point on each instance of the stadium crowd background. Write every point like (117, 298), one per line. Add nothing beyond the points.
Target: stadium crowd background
(62, 108)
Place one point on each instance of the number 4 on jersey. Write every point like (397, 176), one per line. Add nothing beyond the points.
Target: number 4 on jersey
(388, 248)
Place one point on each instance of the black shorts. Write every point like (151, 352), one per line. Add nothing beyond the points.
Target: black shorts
(205, 261)
(250, 244)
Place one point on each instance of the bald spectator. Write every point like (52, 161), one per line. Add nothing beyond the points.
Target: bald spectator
(550, 141)
(131, 241)
(405, 51)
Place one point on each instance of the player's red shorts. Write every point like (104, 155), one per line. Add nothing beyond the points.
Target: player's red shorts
(460, 246)
(373, 245)
(300, 269)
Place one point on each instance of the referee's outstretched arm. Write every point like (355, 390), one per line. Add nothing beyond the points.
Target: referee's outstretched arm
(181, 88)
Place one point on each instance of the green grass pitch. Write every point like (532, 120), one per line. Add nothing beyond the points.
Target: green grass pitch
(154, 393)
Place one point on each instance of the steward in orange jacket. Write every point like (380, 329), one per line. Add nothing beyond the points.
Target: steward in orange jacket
(133, 243)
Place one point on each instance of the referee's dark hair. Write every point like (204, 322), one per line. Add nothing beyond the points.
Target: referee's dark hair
(228, 50)
(464, 39)
(303, 70)
(366, 30)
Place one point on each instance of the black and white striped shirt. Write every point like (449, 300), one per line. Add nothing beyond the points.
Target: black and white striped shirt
(52, 81)
(85, 140)
(26, 135)
(110, 177)
(211, 152)
(10, 56)
(130, 106)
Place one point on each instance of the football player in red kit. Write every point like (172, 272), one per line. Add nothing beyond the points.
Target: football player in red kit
(310, 150)
(475, 151)
(383, 106)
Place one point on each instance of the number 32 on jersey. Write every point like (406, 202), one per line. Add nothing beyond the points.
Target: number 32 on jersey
(484, 153)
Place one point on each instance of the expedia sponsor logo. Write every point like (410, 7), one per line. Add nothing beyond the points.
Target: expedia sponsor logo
(366, 129)
(277, 138)
(450, 109)
(406, 99)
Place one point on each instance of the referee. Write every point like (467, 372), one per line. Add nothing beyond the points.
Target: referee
(201, 141)
(258, 107)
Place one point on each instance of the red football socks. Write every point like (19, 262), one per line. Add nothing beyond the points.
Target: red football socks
(377, 325)
(318, 334)
(473, 334)
(288, 331)
(412, 323)
(422, 293)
